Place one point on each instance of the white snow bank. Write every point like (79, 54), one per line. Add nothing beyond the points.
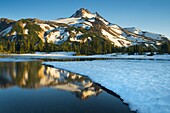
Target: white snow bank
(70, 55)
(154, 57)
(47, 54)
(37, 55)
(144, 84)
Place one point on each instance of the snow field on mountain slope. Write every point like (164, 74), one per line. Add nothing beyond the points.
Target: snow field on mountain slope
(146, 34)
(143, 84)
(76, 22)
(67, 20)
(115, 39)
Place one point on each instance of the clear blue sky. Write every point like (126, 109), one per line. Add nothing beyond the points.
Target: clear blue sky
(149, 15)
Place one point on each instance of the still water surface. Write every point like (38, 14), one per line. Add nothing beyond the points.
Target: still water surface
(29, 87)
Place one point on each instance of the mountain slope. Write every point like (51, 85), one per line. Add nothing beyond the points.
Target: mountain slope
(83, 26)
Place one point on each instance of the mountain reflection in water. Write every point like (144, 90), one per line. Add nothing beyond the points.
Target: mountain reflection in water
(33, 75)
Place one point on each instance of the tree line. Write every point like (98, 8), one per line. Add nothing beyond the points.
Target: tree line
(96, 46)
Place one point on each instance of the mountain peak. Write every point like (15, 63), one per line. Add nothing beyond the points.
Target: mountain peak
(82, 12)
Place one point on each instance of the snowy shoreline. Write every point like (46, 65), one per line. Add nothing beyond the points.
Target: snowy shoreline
(70, 55)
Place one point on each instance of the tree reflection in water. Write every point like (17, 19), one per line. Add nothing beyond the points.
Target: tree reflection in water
(33, 75)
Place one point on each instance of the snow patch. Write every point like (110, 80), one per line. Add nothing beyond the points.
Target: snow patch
(85, 26)
(76, 22)
(89, 38)
(46, 27)
(105, 22)
(118, 42)
(146, 34)
(153, 36)
(89, 15)
(14, 33)
(26, 31)
(134, 30)
(67, 20)
(57, 36)
(118, 31)
(88, 23)
(135, 39)
(114, 26)
(91, 19)
(13, 38)
(24, 24)
(6, 31)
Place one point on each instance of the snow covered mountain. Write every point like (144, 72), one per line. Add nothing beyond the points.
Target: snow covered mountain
(82, 26)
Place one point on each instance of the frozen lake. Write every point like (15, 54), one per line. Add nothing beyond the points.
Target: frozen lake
(144, 84)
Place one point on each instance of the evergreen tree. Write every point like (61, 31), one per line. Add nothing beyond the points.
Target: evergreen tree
(1, 48)
(165, 48)
(12, 47)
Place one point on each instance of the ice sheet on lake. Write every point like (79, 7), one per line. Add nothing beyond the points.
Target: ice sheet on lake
(144, 84)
